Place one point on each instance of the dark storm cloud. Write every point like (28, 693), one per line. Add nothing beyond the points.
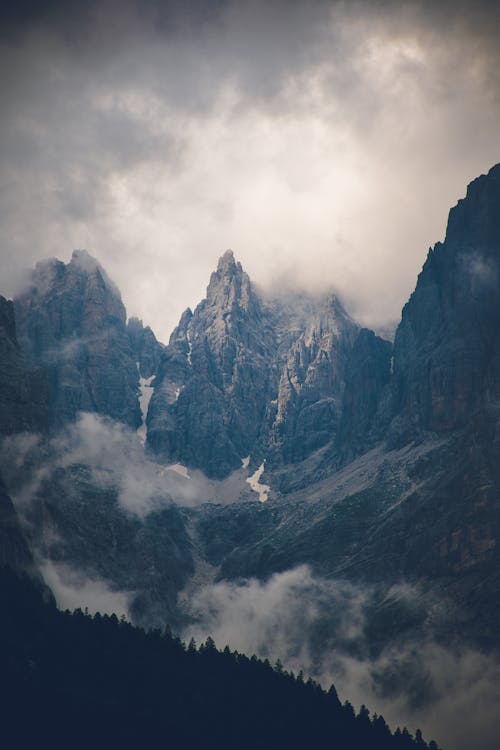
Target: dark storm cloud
(323, 141)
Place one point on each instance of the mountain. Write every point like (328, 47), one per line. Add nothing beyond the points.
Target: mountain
(246, 375)
(411, 491)
(214, 381)
(71, 322)
(322, 444)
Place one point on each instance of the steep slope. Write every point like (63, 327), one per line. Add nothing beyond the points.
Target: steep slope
(145, 346)
(447, 347)
(311, 385)
(71, 322)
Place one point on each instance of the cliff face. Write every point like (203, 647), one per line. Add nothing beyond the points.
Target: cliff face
(447, 347)
(23, 392)
(366, 397)
(311, 386)
(71, 321)
(214, 381)
(145, 346)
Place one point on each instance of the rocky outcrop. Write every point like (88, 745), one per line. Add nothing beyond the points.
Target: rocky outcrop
(447, 347)
(71, 322)
(146, 348)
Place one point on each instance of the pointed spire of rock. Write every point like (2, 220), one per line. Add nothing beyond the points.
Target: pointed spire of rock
(229, 284)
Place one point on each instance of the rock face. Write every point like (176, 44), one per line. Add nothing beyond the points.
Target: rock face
(311, 385)
(447, 347)
(245, 375)
(146, 348)
(71, 322)
(23, 392)
(366, 396)
(213, 384)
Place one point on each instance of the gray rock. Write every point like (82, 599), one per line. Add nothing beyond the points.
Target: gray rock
(23, 391)
(71, 322)
(146, 349)
(246, 375)
(214, 381)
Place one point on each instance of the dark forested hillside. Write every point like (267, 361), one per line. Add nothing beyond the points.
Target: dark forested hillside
(69, 680)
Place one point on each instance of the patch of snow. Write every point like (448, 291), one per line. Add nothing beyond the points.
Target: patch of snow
(245, 462)
(254, 481)
(179, 469)
(392, 365)
(146, 391)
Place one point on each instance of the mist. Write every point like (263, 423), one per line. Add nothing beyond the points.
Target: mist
(114, 459)
(321, 627)
(323, 142)
(75, 590)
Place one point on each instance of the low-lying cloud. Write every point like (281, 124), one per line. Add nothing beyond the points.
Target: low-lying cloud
(321, 627)
(73, 589)
(115, 459)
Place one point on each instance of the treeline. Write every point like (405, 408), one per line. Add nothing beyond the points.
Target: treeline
(70, 680)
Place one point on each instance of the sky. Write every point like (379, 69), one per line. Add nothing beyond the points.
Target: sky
(324, 142)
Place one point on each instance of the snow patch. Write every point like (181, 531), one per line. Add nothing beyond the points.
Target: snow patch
(179, 469)
(254, 481)
(245, 462)
(145, 393)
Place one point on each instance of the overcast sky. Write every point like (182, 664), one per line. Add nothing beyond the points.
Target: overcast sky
(324, 142)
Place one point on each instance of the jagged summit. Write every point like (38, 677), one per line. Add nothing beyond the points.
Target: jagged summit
(72, 322)
(227, 263)
(84, 261)
(229, 285)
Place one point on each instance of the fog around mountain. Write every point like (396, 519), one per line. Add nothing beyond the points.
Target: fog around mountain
(324, 142)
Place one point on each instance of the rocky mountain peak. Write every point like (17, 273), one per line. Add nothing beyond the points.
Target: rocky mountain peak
(229, 285)
(71, 322)
(84, 263)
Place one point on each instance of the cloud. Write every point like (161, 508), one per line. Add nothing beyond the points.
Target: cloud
(323, 628)
(114, 459)
(74, 589)
(324, 142)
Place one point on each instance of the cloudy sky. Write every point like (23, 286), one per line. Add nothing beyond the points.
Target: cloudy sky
(324, 142)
